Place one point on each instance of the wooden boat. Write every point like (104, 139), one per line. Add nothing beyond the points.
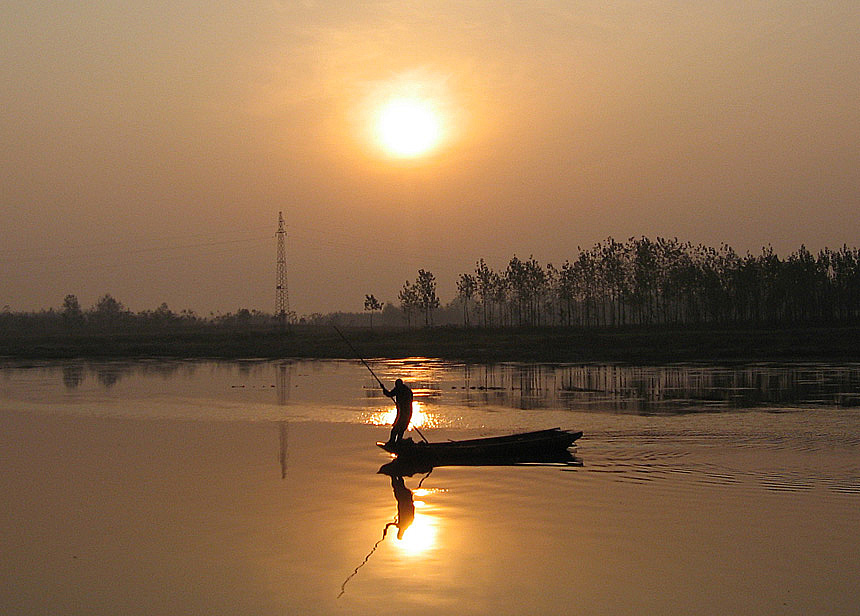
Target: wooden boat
(539, 446)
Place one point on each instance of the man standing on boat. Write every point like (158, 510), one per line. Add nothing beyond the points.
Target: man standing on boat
(402, 396)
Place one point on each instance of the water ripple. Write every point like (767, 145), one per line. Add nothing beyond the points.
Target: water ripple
(687, 461)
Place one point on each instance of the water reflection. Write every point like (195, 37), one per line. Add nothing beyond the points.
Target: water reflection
(608, 387)
(283, 433)
(109, 373)
(422, 529)
(282, 386)
(73, 375)
(658, 389)
(446, 394)
(406, 467)
(421, 417)
(405, 507)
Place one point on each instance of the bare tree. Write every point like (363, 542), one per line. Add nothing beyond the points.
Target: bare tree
(425, 286)
(372, 305)
(466, 287)
(485, 284)
(409, 301)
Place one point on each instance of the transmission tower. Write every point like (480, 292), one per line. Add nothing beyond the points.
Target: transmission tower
(282, 297)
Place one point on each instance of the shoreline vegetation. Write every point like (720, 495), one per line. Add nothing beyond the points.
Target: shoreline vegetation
(639, 301)
(634, 345)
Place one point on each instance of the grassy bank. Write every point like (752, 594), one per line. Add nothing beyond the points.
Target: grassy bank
(639, 345)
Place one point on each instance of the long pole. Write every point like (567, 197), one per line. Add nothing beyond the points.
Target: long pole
(357, 354)
(366, 365)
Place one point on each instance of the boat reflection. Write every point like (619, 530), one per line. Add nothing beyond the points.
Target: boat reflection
(407, 467)
(550, 446)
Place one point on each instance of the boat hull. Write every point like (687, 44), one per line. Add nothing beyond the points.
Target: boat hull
(540, 446)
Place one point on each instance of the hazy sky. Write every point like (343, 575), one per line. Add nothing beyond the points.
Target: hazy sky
(148, 147)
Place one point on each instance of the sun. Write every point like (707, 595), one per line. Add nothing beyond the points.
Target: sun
(407, 127)
(408, 116)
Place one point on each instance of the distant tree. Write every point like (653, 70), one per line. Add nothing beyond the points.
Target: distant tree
(516, 278)
(644, 279)
(549, 305)
(189, 316)
(425, 286)
(391, 314)
(315, 318)
(107, 304)
(500, 295)
(409, 301)
(485, 281)
(71, 310)
(566, 292)
(108, 312)
(527, 282)
(371, 304)
(466, 287)
(162, 316)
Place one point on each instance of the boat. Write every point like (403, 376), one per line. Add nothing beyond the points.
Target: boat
(540, 446)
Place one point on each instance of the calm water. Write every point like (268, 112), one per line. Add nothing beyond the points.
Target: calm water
(252, 487)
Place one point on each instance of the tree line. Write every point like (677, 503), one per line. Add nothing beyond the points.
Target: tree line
(637, 282)
(665, 281)
(110, 314)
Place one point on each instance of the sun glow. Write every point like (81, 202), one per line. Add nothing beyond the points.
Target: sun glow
(408, 127)
(409, 115)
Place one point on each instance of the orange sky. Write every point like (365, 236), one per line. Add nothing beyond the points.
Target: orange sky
(147, 148)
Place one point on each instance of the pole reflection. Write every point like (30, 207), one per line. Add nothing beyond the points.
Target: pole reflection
(282, 387)
(283, 441)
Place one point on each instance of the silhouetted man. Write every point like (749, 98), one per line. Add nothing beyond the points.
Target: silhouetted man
(403, 401)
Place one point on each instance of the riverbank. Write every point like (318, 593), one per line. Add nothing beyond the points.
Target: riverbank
(628, 345)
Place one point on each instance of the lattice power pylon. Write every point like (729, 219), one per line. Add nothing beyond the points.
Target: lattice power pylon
(282, 296)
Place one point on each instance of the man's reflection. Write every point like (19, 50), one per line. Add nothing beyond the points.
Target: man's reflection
(405, 517)
(405, 507)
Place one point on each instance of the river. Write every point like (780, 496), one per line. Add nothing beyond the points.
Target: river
(251, 487)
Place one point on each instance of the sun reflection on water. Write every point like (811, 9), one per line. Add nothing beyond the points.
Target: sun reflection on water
(421, 417)
(420, 537)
